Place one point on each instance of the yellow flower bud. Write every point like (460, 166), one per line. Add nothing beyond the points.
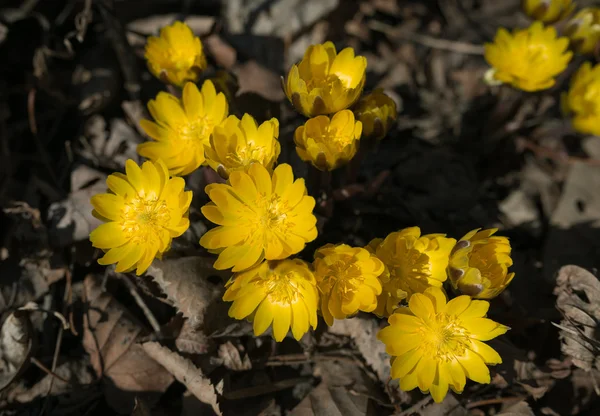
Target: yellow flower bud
(548, 11)
(582, 101)
(325, 82)
(176, 56)
(235, 144)
(479, 264)
(584, 30)
(328, 143)
(377, 113)
(528, 59)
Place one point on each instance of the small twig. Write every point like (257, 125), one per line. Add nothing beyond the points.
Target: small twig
(561, 157)
(31, 111)
(32, 306)
(61, 331)
(416, 407)
(46, 370)
(498, 400)
(140, 302)
(429, 41)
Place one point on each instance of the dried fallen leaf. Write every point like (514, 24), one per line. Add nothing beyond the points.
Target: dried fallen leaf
(578, 299)
(518, 409)
(16, 343)
(231, 357)
(109, 337)
(185, 283)
(191, 341)
(185, 372)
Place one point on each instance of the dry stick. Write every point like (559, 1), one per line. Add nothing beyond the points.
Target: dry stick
(494, 401)
(140, 302)
(429, 41)
(416, 407)
(45, 369)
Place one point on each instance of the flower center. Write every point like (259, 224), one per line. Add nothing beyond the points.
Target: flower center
(246, 155)
(343, 277)
(272, 213)
(196, 131)
(179, 58)
(142, 219)
(281, 288)
(444, 337)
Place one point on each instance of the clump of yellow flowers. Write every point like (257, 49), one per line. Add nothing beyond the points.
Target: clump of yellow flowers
(582, 101)
(548, 11)
(263, 214)
(584, 30)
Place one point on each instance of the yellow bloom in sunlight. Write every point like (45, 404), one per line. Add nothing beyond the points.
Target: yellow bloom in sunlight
(176, 56)
(181, 128)
(349, 280)
(548, 11)
(325, 82)
(436, 345)
(235, 144)
(528, 59)
(143, 213)
(479, 264)
(328, 143)
(377, 113)
(260, 216)
(278, 293)
(414, 261)
(582, 101)
(584, 30)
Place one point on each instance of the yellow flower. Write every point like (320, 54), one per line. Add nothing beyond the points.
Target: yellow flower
(328, 143)
(479, 264)
(176, 56)
(529, 59)
(259, 216)
(182, 128)
(325, 82)
(436, 345)
(348, 279)
(584, 30)
(278, 293)
(143, 213)
(235, 144)
(415, 262)
(583, 99)
(548, 11)
(377, 113)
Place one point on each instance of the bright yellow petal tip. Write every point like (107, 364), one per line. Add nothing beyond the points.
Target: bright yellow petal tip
(479, 264)
(324, 81)
(259, 216)
(377, 113)
(414, 261)
(583, 30)
(328, 143)
(349, 280)
(182, 127)
(278, 294)
(436, 345)
(528, 59)
(143, 213)
(176, 56)
(235, 144)
(548, 11)
(582, 101)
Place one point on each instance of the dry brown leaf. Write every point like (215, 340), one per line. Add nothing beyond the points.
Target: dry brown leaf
(185, 372)
(518, 409)
(16, 343)
(253, 77)
(185, 283)
(191, 341)
(231, 358)
(578, 299)
(109, 337)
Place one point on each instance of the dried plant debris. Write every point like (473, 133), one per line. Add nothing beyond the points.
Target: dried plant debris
(578, 299)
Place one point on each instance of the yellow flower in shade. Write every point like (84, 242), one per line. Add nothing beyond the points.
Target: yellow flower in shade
(436, 345)
(260, 216)
(328, 143)
(548, 11)
(582, 101)
(377, 113)
(529, 59)
(414, 261)
(176, 56)
(479, 264)
(349, 280)
(325, 82)
(278, 293)
(235, 144)
(584, 30)
(143, 213)
(181, 128)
